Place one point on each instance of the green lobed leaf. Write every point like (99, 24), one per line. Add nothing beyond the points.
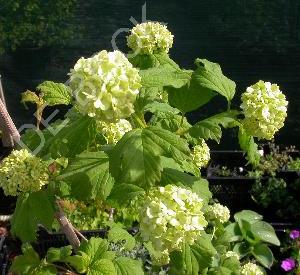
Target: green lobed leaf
(58, 254)
(88, 175)
(146, 61)
(264, 232)
(193, 259)
(70, 137)
(55, 93)
(117, 198)
(163, 76)
(31, 97)
(127, 266)
(210, 128)
(160, 107)
(93, 258)
(263, 255)
(29, 263)
(198, 185)
(233, 264)
(183, 262)
(32, 209)
(248, 145)
(211, 77)
(118, 234)
(136, 157)
(190, 96)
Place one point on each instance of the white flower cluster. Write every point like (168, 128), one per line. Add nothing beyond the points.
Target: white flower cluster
(171, 216)
(150, 37)
(201, 154)
(232, 254)
(218, 212)
(22, 172)
(265, 109)
(251, 269)
(113, 131)
(105, 85)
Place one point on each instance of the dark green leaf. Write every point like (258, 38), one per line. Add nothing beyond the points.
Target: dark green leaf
(89, 177)
(136, 157)
(70, 137)
(233, 232)
(160, 107)
(117, 198)
(190, 96)
(29, 263)
(210, 128)
(248, 145)
(163, 76)
(197, 185)
(210, 76)
(58, 254)
(242, 249)
(263, 255)
(32, 209)
(127, 266)
(193, 259)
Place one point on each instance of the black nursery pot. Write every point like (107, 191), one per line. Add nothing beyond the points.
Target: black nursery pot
(234, 191)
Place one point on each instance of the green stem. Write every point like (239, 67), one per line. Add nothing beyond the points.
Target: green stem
(214, 232)
(139, 121)
(228, 105)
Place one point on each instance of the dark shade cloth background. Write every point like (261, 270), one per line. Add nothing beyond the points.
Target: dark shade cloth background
(249, 44)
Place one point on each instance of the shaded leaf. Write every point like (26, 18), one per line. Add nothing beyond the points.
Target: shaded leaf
(263, 255)
(88, 175)
(210, 128)
(32, 209)
(136, 157)
(211, 77)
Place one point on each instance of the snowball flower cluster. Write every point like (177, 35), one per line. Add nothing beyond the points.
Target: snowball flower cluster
(251, 269)
(201, 154)
(22, 172)
(171, 216)
(113, 132)
(105, 85)
(265, 109)
(150, 37)
(218, 212)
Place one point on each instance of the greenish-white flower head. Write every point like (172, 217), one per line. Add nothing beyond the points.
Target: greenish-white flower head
(201, 154)
(105, 86)
(114, 131)
(265, 109)
(171, 216)
(218, 212)
(150, 37)
(22, 172)
(252, 269)
(230, 254)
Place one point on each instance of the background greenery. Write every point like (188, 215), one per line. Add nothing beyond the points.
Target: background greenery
(250, 39)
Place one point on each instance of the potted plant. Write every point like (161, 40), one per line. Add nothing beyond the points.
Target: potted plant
(126, 147)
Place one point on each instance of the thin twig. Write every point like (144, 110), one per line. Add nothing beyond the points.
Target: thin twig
(67, 227)
(79, 234)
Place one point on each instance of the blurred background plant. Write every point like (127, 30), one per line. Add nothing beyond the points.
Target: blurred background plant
(35, 23)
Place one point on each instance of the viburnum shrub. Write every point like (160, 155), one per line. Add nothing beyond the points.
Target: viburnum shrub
(126, 148)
